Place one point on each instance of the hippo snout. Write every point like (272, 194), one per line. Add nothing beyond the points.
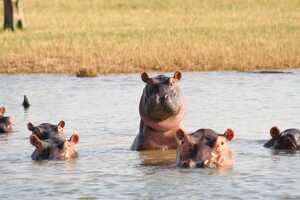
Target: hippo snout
(162, 99)
(192, 164)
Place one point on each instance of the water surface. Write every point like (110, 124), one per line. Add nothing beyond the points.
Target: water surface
(104, 111)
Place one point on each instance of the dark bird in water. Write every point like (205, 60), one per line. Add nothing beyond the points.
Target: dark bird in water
(26, 103)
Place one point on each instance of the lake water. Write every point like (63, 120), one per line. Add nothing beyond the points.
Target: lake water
(104, 111)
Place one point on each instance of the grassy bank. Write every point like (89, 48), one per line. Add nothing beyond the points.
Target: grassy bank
(121, 36)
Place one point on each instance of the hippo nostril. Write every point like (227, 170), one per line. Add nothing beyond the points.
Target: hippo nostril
(163, 98)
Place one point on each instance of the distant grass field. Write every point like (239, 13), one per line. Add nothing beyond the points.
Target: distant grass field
(120, 36)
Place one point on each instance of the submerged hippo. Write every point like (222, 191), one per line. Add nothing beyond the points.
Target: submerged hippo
(5, 122)
(204, 148)
(286, 140)
(51, 143)
(161, 110)
(26, 103)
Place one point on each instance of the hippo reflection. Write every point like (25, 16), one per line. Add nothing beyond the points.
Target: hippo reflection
(161, 110)
(204, 148)
(5, 122)
(51, 143)
(286, 140)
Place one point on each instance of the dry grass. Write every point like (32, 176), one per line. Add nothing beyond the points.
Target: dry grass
(121, 36)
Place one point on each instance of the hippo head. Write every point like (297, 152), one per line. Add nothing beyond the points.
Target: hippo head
(45, 131)
(55, 148)
(161, 97)
(203, 148)
(5, 122)
(51, 143)
(286, 140)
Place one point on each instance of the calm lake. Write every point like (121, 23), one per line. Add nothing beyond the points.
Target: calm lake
(104, 111)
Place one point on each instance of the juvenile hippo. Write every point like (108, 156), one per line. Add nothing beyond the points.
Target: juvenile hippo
(204, 148)
(286, 140)
(51, 143)
(161, 110)
(5, 122)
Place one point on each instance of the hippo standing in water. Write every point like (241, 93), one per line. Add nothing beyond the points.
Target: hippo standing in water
(161, 109)
(5, 122)
(51, 143)
(204, 148)
(286, 140)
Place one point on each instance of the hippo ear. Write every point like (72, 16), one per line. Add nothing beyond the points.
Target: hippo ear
(74, 138)
(60, 127)
(35, 141)
(30, 126)
(274, 132)
(145, 77)
(177, 75)
(61, 124)
(2, 110)
(181, 136)
(229, 134)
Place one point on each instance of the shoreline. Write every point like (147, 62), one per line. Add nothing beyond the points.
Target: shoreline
(258, 71)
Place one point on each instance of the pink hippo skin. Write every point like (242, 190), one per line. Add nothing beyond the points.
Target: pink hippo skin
(162, 110)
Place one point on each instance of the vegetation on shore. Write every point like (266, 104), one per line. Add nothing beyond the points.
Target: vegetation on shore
(121, 36)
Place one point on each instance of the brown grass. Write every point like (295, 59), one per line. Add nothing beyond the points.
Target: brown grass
(122, 36)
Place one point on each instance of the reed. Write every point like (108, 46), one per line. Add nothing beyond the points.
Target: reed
(122, 36)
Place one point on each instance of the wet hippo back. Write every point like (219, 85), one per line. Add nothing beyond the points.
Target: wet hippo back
(161, 109)
(285, 140)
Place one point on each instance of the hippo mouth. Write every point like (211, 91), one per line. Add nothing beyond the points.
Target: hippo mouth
(212, 162)
(204, 160)
(192, 164)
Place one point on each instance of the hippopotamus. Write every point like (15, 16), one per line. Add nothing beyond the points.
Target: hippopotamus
(204, 148)
(5, 122)
(51, 143)
(26, 103)
(161, 109)
(286, 140)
